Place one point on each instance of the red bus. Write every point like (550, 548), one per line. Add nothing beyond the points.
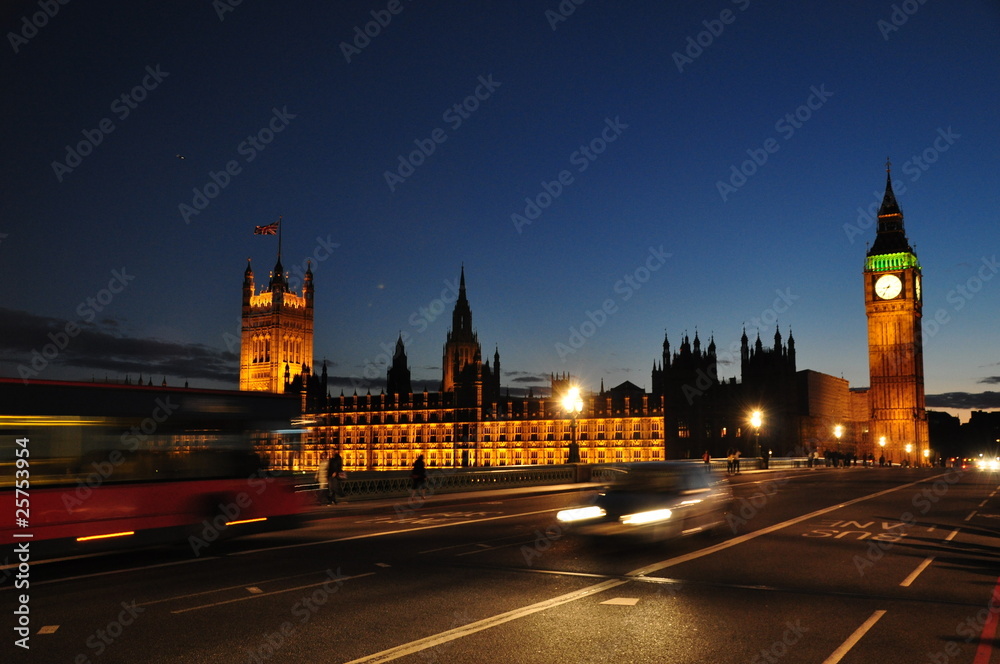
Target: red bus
(74, 484)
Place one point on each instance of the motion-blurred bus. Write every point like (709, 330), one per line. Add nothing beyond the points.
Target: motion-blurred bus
(87, 467)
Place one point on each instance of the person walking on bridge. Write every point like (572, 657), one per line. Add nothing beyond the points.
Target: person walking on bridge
(336, 474)
(419, 476)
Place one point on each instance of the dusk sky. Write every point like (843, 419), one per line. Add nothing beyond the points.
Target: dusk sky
(583, 162)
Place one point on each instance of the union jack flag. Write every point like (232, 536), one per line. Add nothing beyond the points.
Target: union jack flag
(270, 229)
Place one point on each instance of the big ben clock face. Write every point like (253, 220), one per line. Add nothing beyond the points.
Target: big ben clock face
(916, 283)
(888, 286)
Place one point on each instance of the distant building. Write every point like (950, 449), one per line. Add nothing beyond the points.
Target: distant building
(825, 411)
(276, 342)
(703, 412)
(471, 422)
(981, 433)
(945, 432)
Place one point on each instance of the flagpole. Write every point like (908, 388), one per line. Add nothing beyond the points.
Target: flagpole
(279, 238)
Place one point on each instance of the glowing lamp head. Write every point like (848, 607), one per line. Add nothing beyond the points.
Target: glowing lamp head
(572, 402)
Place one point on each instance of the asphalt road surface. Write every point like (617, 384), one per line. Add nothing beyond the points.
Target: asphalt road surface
(850, 565)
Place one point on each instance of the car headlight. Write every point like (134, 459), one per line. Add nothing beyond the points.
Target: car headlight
(642, 518)
(580, 514)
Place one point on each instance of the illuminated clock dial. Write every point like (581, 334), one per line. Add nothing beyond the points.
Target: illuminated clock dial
(888, 286)
(916, 284)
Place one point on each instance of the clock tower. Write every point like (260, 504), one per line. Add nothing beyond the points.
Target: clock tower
(893, 303)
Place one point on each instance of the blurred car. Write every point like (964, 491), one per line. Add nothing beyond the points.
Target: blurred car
(987, 463)
(654, 501)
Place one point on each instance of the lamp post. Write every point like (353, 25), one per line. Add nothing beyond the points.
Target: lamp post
(756, 419)
(838, 431)
(572, 403)
(881, 444)
(909, 448)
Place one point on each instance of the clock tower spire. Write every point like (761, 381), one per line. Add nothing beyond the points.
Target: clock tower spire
(893, 304)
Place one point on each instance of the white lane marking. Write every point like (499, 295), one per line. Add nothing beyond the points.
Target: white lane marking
(225, 588)
(846, 646)
(915, 573)
(971, 514)
(486, 623)
(494, 548)
(273, 592)
(391, 532)
(663, 564)
(983, 504)
(465, 545)
(952, 536)
(109, 572)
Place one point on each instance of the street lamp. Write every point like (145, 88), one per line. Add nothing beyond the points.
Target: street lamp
(927, 456)
(909, 448)
(838, 431)
(572, 403)
(881, 444)
(756, 419)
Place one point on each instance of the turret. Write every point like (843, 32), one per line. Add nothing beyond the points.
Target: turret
(307, 285)
(248, 286)
(279, 282)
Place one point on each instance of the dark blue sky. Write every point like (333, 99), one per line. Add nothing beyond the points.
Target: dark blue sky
(640, 121)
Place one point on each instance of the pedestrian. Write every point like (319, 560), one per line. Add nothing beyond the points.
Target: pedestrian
(707, 458)
(323, 480)
(736, 462)
(419, 476)
(730, 461)
(336, 474)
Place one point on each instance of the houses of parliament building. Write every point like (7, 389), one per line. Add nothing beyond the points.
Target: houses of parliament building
(473, 421)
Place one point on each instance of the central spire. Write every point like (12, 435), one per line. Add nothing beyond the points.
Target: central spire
(891, 237)
(889, 204)
(461, 317)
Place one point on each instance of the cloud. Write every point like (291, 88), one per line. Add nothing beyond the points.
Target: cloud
(41, 344)
(991, 380)
(970, 400)
(527, 377)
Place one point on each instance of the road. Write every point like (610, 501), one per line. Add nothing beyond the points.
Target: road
(828, 565)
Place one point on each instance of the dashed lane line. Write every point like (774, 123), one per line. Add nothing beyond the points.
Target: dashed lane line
(852, 640)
